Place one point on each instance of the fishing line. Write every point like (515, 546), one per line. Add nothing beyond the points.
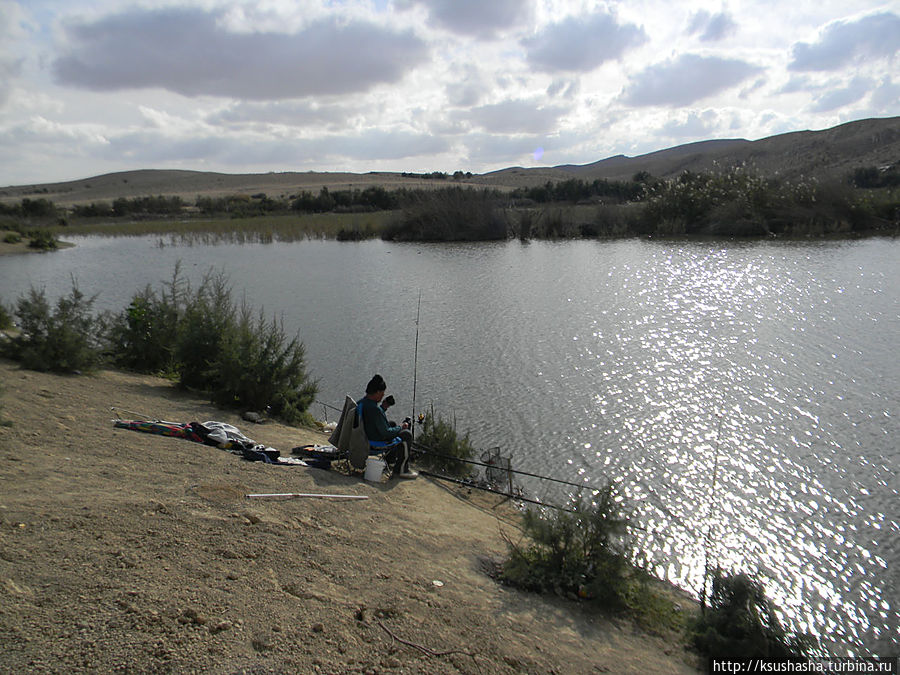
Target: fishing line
(412, 426)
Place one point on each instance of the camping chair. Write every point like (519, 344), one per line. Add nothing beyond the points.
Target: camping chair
(349, 437)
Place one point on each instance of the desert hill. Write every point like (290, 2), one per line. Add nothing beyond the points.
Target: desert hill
(826, 154)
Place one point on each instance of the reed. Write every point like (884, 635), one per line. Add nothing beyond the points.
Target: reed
(259, 229)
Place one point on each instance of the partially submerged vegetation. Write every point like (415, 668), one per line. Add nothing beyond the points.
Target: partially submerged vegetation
(737, 202)
(201, 337)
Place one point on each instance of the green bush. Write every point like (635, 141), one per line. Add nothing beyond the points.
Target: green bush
(200, 337)
(449, 214)
(205, 321)
(12, 238)
(741, 623)
(442, 448)
(5, 317)
(43, 240)
(740, 203)
(61, 339)
(257, 367)
(580, 552)
(143, 336)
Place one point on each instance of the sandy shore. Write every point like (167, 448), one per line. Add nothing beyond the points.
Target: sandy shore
(124, 551)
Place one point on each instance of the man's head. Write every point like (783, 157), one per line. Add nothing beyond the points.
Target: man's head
(387, 402)
(376, 387)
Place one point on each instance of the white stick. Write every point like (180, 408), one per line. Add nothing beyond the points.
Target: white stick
(303, 494)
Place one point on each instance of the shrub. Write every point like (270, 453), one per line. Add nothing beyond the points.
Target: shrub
(442, 447)
(258, 368)
(12, 238)
(43, 240)
(200, 337)
(579, 552)
(450, 214)
(144, 335)
(60, 340)
(5, 317)
(741, 623)
(206, 320)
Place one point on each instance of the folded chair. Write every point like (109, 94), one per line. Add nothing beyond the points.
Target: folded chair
(349, 437)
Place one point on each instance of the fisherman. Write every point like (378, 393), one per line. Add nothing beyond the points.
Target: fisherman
(386, 403)
(377, 428)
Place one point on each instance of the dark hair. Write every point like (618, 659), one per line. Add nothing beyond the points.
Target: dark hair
(388, 402)
(377, 383)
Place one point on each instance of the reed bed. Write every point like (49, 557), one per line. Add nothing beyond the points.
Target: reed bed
(258, 229)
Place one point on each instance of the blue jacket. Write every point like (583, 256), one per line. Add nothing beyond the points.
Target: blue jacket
(375, 421)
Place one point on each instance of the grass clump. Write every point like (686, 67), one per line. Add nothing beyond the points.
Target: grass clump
(741, 622)
(60, 338)
(441, 447)
(579, 552)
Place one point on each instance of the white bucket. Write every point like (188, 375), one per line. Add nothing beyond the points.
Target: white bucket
(374, 469)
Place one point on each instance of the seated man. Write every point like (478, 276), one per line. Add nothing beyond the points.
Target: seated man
(378, 429)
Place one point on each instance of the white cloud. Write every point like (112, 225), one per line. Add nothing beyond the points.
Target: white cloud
(712, 27)
(476, 18)
(845, 42)
(886, 97)
(842, 96)
(514, 117)
(694, 125)
(581, 43)
(686, 79)
(188, 51)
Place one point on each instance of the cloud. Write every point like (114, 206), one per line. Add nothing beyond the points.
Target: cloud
(696, 125)
(886, 97)
(10, 66)
(191, 52)
(711, 27)
(844, 42)
(581, 44)
(838, 98)
(686, 79)
(513, 117)
(475, 18)
(241, 150)
(290, 113)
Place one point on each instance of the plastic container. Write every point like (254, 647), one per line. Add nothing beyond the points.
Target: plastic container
(374, 469)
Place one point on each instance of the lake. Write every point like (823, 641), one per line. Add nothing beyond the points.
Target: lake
(743, 394)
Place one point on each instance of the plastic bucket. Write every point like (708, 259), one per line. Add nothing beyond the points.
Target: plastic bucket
(374, 469)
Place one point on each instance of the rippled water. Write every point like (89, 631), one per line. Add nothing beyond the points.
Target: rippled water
(743, 397)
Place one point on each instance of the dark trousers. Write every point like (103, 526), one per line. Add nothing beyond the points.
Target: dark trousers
(398, 456)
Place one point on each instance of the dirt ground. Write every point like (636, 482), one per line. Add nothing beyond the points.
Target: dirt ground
(125, 551)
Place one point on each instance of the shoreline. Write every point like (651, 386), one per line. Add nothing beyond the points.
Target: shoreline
(128, 550)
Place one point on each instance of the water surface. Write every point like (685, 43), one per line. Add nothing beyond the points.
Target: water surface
(744, 395)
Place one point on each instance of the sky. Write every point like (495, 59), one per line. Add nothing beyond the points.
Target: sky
(89, 87)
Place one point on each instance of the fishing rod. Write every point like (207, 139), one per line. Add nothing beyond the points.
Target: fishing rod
(470, 484)
(412, 426)
(428, 451)
(709, 509)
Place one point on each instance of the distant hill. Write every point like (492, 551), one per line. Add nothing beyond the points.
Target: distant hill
(831, 153)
